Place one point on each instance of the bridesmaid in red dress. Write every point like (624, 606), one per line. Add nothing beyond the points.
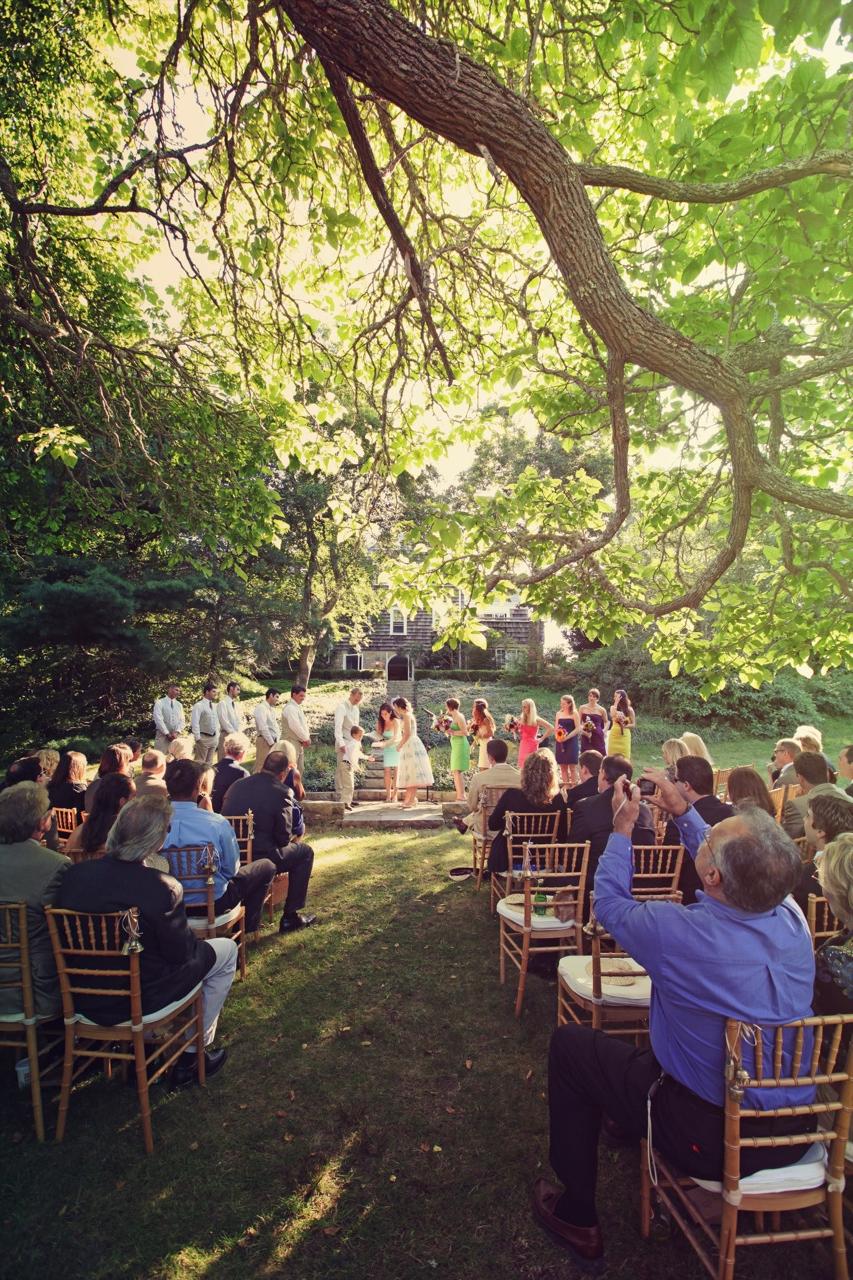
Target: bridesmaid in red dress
(530, 722)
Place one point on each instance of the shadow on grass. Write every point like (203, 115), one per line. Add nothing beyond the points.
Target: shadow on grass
(381, 1114)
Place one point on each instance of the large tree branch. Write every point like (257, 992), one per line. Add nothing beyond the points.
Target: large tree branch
(805, 372)
(838, 164)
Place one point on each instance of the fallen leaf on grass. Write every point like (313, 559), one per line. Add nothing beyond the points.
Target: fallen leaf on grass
(243, 1106)
(120, 1185)
(469, 1062)
(331, 1231)
(193, 1146)
(436, 1148)
(451, 1111)
(393, 1177)
(424, 1146)
(365, 1044)
(281, 1115)
(529, 1075)
(292, 1095)
(287, 1137)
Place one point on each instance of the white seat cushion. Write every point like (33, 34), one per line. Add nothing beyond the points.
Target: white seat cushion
(200, 922)
(538, 924)
(146, 1017)
(808, 1172)
(572, 970)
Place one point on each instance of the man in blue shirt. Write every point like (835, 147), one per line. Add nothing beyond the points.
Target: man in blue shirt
(742, 950)
(191, 825)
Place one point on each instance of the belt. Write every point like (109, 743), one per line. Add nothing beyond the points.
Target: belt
(202, 734)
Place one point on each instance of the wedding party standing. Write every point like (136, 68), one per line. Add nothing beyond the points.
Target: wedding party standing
(460, 748)
(529, 724)
(169, 721)
(593, 723)
(388, 737)
(294, 726)
(204, 725)
(482, 725)
(622, 721)
(229, 714)
(414, 769)
(568, 738)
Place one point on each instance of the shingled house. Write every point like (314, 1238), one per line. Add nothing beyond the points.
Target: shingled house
(399, 642)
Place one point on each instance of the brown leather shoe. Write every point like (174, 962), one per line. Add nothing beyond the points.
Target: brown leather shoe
(583, 1243)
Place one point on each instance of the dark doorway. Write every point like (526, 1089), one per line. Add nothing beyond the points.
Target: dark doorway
(398, 667)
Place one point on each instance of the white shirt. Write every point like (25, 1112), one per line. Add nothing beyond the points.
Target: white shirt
(346, 715)
(267, 722)
(293, 721)
(204, 720)
(230, 715)
(352, 752)
(168, 716)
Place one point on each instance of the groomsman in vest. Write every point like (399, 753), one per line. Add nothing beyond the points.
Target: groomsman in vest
(204, 725)
(347, 714)
(294, 726)
(169, 719)
(230, 715)
(268, 727)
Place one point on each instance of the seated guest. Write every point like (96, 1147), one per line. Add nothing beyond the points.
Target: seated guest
(673, 749)
(30, 873)
(833, 990)
(845, 768)
(192, 825)
(811, 739)
(592, 819)
(499, 774)
(204, 799)
(747, 787)
(67, 787)
(590, 768)
(89, 840)
(173, 958)
(293, 777)
(539, 793)
(694, 778)
(827, 818)
(230, 768)
(115, 759)
(30, 769)
(49, 760)
(696, 747)
(134, 746)
(272, 804)
(813, 778)
(742, 950)
(782, 763)
(181, 748)
(152, 778)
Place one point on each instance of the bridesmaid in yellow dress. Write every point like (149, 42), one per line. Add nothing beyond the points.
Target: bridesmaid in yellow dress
(622, 721)
(483, 728)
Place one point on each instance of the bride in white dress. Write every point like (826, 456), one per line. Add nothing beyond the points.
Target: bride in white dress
(414, 769)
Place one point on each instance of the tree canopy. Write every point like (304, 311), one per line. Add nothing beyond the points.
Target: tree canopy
(622, 222)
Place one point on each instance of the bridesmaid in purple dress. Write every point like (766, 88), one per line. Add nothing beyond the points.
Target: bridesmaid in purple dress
(594, 723)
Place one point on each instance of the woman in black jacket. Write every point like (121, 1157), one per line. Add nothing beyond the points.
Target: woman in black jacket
(539, 793)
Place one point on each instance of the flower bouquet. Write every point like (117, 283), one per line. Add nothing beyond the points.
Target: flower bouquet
(512, 724)
(442, 723)
(622, 718)
(587, 727)
(561, 734)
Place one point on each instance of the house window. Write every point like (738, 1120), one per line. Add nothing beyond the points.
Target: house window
(509, 657)
(398, 622)
(352, 662)
(500, 657)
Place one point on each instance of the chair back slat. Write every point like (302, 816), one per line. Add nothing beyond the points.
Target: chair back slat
(533, 828)
(821, 921)
(194, 865)
(66, 822)
(657, 868)
(721, 783)
(15, 972)
(779, 796)
(95, 956)
(244, 831)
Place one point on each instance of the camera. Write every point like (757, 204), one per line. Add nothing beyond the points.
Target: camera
(647, 787)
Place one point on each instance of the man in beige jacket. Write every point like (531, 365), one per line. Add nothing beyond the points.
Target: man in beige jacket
(499, 775)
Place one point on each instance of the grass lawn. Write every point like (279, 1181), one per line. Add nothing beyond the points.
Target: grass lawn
(382, 1114)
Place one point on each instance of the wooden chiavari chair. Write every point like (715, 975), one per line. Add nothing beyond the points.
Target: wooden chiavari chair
(481, 841)
(20, 1030)
(521, 829)
(551, 925)
(807, 1052)
(66, 821)
(194, 865)
(780, 797)
(98, 954)
(821, 921)
(244, 830)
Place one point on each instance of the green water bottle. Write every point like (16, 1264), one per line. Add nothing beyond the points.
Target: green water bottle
(540, 899)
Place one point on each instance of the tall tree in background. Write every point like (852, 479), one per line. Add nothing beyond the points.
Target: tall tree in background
(622, 218)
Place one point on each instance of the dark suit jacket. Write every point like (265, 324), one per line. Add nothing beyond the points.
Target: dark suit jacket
(272, 805)
(173, 959)
(226, 774)
(68, 795)
(712, 811)
(592, 820)
(582, 790)
(32, 874)
(514, 800)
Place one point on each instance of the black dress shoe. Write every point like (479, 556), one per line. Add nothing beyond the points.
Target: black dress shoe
(185, 1070)
(583, 1243)
(289, 924)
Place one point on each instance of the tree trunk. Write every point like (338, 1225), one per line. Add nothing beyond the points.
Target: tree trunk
(307, 656)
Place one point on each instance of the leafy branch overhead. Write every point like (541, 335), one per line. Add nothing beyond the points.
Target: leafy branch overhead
(619, 225)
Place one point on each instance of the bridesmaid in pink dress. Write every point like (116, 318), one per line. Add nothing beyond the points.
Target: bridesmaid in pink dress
(530, 722)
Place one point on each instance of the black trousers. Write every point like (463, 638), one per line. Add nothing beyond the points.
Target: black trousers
(590, 1072)
(297, 859)
(250, 886)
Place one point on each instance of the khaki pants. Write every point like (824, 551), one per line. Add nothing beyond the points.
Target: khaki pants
(344, 783)
(162, 743)
(262, 750)
(220, 750)
(204, 750)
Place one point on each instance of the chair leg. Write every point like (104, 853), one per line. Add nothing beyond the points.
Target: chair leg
(65, 1088)
(728, 1232)
(645, 1192)
(142, 1090)
(35, 1081)
(522, 974)
(502, 950)
(835, 1211)
(199, 1038)
(241, 949)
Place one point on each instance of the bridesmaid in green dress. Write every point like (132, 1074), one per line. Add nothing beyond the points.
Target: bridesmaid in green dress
(460, 749)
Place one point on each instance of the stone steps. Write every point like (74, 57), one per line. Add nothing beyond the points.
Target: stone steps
(378, 814)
